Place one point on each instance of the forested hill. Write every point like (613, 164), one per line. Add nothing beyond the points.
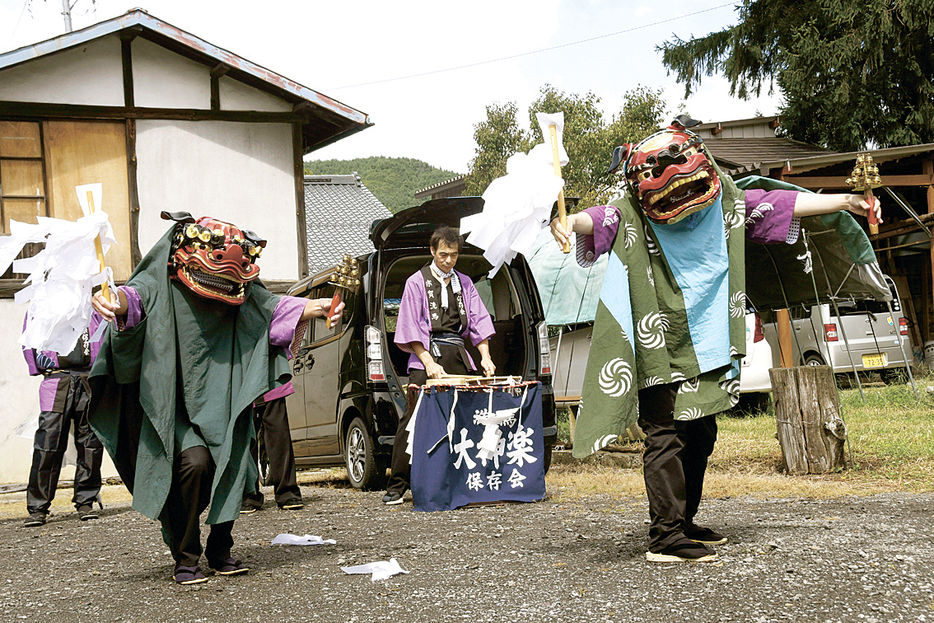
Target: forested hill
(393, 181)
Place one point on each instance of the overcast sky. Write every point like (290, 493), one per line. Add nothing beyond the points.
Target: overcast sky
(424, 71)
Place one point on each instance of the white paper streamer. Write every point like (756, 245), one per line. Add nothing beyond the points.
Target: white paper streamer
(308, 539)
(61, 276)
(380, 570)
(517, 206)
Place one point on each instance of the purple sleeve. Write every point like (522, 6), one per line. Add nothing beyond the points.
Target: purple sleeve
(134, 309)
(770, 216)
(412, 324)
(605, 226)
(479, 323)
(285, 319)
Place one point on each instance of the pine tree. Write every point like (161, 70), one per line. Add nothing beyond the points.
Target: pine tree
(850, 74)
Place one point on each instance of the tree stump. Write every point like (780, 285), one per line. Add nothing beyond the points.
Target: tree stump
(810, 431)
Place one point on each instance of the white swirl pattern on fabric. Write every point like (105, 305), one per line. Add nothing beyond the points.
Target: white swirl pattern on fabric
(650, 275)
(652, 329)
(616, 378)
(689, 386)
(759, 211)
(631, 234)
(738, 305)
(693, 413)
(652, 380)
(603, 442)
(649, 243)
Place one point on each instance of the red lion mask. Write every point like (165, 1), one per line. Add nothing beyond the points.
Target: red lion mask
(216, 260)
(669, 173)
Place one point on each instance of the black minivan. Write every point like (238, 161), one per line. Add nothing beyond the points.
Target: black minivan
(350, 379)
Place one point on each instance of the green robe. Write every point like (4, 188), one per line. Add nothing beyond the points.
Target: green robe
(186, 375)
(620, 363)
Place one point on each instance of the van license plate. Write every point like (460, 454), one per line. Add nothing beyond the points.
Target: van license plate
(874, 360)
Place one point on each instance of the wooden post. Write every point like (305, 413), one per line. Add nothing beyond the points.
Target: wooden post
(783, 321)
(810, 431)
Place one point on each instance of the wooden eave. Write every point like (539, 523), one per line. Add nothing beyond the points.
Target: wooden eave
(324, 120)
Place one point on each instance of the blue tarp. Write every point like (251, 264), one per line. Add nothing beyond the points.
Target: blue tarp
(569, 293)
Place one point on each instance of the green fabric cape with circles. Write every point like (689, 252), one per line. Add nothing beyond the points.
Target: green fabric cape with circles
(620, 364)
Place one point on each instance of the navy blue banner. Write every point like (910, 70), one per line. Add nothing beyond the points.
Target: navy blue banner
(495, 450)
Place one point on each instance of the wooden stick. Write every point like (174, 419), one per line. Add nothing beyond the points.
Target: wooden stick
(873, 221)
(556, 159)
(99, 248)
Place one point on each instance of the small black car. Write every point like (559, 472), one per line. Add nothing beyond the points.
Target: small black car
(350, 379)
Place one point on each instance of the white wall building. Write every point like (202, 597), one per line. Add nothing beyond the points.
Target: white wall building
(165, 121)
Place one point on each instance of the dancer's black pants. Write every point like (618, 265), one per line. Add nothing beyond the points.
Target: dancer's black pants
(674, 463)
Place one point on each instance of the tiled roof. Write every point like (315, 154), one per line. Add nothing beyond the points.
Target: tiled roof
(339, 210)
(742, 155)
(457, 184)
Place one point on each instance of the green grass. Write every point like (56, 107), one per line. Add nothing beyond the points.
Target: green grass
(890, 448)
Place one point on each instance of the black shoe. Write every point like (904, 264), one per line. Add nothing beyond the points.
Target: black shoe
(392, 498)
(247, 507)
(683, 550)
(229, 566)
(292, 505)
(704, 535)
(188, 575)
(35, 519)
(86, 512)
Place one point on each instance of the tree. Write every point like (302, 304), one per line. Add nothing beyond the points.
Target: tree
(588, 138)
(850, 74)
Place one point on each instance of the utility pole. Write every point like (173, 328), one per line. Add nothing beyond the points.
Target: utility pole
(66, 11)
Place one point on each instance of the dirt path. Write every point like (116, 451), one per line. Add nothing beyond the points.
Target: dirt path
(856, 559)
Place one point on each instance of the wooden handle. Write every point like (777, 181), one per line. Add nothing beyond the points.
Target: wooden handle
(873, 221)
(335, 301)
(99, 248)
(556, 159)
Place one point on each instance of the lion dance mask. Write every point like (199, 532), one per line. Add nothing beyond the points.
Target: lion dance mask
(669, 172)
(216, 260)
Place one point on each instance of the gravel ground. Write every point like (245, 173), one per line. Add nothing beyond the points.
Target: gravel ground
(866, 559)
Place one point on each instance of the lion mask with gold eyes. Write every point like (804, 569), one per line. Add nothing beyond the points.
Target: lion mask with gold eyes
(214, 259)
(670, 172)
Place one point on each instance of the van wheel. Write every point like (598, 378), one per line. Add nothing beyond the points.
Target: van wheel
(362, 468)
(813, 360)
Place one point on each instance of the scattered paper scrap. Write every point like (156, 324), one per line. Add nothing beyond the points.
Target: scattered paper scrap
(308, 539)
(380, 569)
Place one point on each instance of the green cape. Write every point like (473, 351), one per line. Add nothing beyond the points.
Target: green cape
(217, 355)
(620, 365)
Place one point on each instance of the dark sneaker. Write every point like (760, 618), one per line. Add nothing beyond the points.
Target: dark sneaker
(34, 519)
(189, 575)
(392, 498)
(292, 505)
(246, 508)
(683, 550)
(86, 512)
(229, 566)
(704, 535)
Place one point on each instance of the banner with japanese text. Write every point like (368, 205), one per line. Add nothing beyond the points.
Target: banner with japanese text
(478, 444)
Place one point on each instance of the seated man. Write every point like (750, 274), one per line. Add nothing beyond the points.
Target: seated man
(440, 308)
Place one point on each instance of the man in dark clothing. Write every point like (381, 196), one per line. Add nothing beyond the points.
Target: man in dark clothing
(63, 401)
(440, 308)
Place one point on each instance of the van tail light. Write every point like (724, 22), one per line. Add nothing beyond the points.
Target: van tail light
(544, 348)
(903, 326)
(374, 354)
(830, 332)
(759, 335)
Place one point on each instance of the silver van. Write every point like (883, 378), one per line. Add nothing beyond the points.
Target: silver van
(878, 340)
